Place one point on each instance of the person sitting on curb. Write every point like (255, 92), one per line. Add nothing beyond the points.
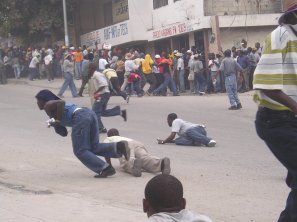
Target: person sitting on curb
(190, 134)
(84, 135)
(164, 201)
(139, 157)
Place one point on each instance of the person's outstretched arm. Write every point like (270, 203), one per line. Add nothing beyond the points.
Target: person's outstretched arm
(169, 139)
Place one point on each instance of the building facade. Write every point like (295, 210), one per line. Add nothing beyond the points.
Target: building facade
(165, 25)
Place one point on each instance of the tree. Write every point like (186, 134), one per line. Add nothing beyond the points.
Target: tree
(33, 20)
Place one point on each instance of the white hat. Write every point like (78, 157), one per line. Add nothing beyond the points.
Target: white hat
(175, 51)
(196, 56)
(189, 51)
(179, 54)
(157, 56)
(72, 48)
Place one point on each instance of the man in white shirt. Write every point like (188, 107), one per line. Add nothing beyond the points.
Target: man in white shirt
(164, 201)
(181, 71)
(33, 67)
(130, 66)
(48, 61)
(100, 94)
(102, 62)
(213, 64)
(190, 134)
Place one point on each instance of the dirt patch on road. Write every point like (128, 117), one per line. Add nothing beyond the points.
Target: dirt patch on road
(23, 189)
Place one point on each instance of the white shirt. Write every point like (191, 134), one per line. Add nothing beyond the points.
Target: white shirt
(180, 126)
(213, 66)
(99, 80)
(34, 62)
(48, 59)
(102, 63)
(191, 60)
(180, 64)
(182, 216)
(130, 66)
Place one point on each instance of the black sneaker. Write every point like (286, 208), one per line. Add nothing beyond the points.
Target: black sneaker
(123, 149)
(124, 115)
(108, 171)
(165, 166)
(232, 108)
(102, 130)
(239, 106)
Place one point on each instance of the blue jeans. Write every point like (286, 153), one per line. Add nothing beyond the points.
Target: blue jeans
(231, 89)
(85, 141)
(167, 80)
(68, 82)
(181, 77)
(200, 82)
(193, 136)
(100, 108)
(279, 131)
(33, 73)
(17, 71)
(78, 70)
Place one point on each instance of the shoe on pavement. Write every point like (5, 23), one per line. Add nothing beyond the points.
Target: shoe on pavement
(233, 108)
(108, 171)
(165, 166)
(123, 149)
(124, 115)
(103, 130)
(136, 169)
(239, 106)
(127, 98)
(211, 143)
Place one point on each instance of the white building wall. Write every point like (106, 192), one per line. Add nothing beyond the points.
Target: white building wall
(178, 12)
(233, 37)
(140, 18)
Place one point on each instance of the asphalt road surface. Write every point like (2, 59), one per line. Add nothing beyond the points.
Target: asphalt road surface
(41, 180)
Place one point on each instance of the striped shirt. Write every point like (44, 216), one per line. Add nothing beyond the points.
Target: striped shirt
(277, 68)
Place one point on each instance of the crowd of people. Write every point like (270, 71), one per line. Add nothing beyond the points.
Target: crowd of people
(129, 70)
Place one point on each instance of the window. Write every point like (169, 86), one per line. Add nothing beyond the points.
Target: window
(160, 3)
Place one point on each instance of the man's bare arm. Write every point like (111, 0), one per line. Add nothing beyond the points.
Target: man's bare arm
(282, 98)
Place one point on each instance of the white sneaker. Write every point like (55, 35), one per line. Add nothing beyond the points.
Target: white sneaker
(212, 143)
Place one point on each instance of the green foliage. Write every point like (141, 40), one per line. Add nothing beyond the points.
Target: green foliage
(33, 20)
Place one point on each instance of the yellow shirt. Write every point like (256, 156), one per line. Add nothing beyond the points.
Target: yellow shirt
(109, 73)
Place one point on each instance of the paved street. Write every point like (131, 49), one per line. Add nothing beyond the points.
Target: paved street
(42, 181)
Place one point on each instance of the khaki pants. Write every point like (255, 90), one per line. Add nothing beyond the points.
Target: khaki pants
(137, 150)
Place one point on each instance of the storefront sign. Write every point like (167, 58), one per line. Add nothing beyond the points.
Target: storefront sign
(172, 30)
(109, 35)
(115, 31)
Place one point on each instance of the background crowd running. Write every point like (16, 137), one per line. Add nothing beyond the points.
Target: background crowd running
(179, 71)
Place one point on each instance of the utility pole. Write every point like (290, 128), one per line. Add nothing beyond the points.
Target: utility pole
(65, 24)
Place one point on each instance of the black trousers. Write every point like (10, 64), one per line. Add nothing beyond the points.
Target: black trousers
(279, 131)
